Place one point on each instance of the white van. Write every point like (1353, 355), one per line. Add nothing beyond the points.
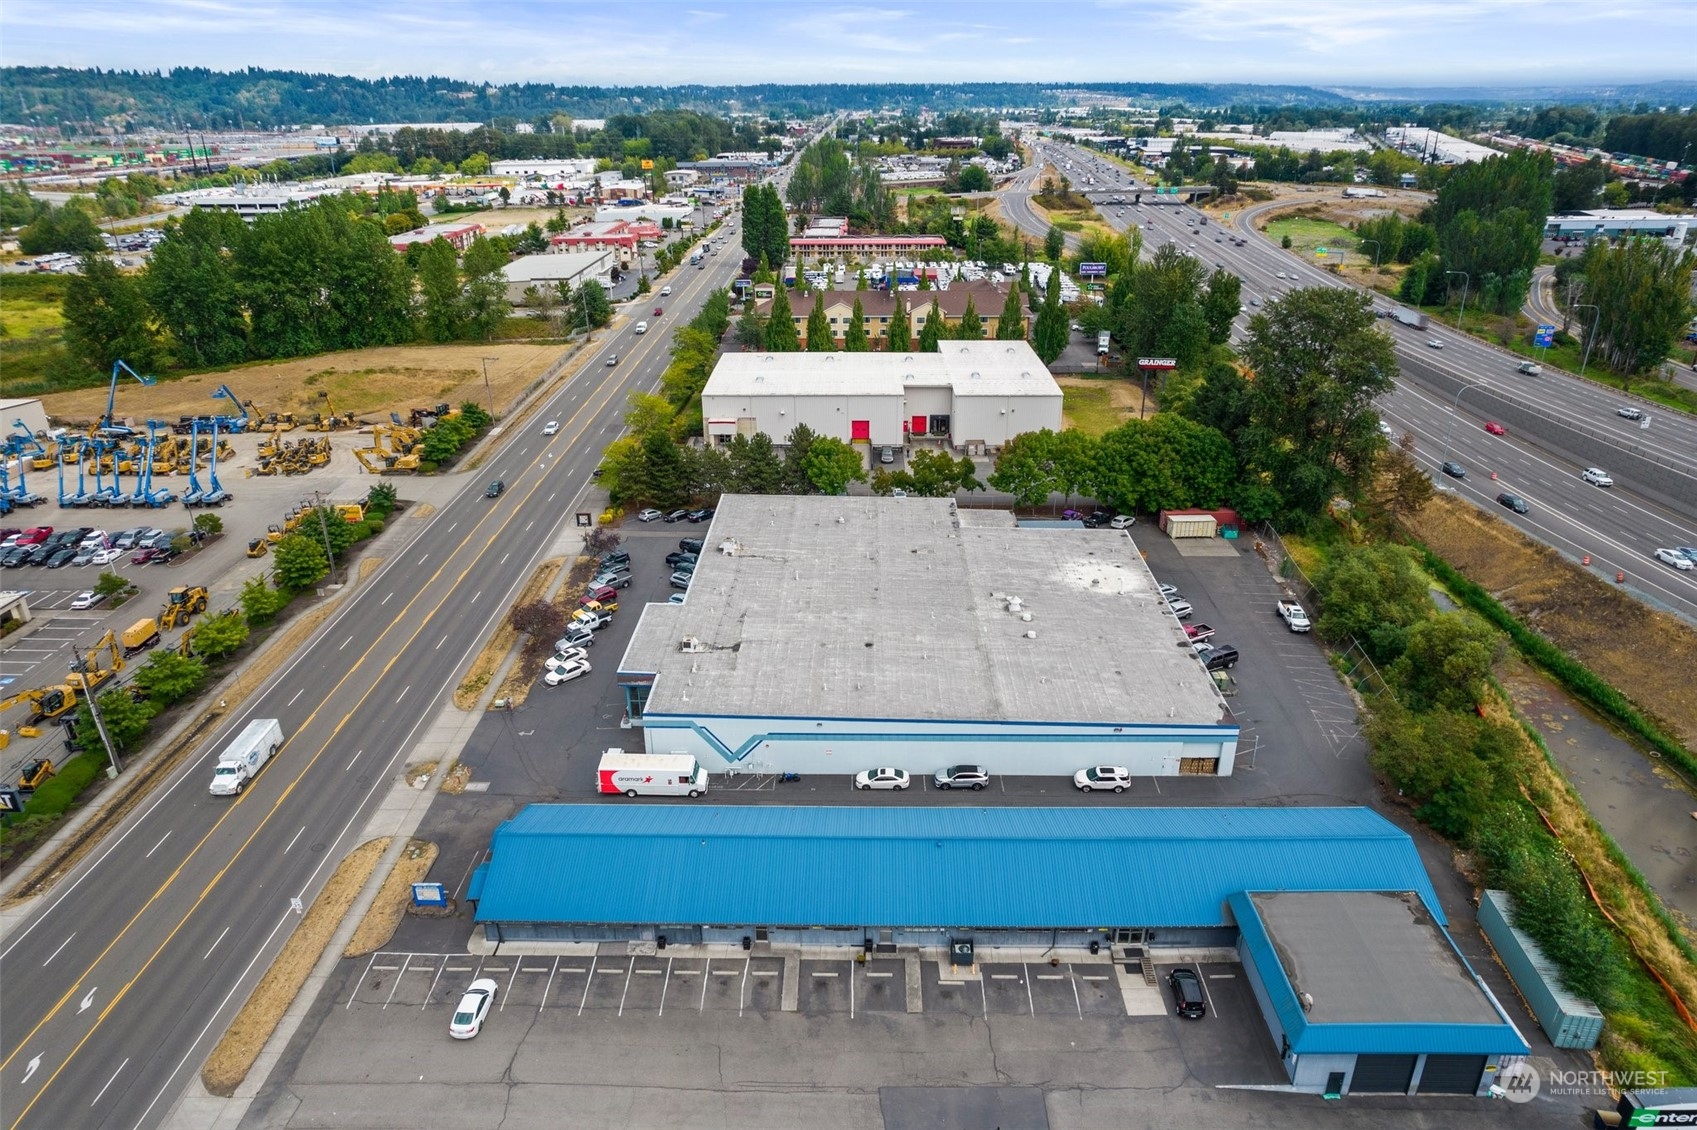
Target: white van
(651, 774)
(642, 327)
(244, 757)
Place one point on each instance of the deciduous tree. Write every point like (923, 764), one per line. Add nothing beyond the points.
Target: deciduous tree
(107, 319)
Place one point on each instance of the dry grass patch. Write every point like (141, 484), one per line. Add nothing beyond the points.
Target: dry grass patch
(457, 779)
(367, 382)
(503, 639)
(390, 905)
(420, 510)
(235, 1054)
(1576, 610)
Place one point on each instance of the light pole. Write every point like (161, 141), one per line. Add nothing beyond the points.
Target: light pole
(94, 711)
(487, 391)
(1449, 432)
(1465, 279)
(1376, 249)
(1590, 337)
(324, 530)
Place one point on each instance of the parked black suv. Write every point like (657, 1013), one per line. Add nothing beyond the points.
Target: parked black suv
(690, 545)
(1188, 1000)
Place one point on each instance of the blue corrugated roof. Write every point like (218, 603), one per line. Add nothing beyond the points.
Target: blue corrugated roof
(1309, 1038)
(619, 862)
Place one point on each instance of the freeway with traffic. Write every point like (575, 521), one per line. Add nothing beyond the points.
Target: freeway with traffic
(1556, 425)
(115, 984)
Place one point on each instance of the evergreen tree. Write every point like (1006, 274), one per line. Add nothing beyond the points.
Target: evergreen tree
(854, 338)
(751, 329)
(900, 337)
(932, 332)
(1011, 325)
(819, 339)
(781, 335)
(971, 326)
(106, 318)
(755, 466)
(439, 288)
(1054, 242)
(798, 445)
(1050, 335)
(484, 301)
(189, 285)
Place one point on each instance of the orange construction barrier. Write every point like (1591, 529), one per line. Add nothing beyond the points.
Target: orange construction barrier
(1620, 578)
(1587, 560)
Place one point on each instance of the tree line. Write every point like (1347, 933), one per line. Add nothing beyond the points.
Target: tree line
(307, 280)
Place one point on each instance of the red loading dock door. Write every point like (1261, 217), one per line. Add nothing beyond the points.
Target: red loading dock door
(919, 424)
(860, 430)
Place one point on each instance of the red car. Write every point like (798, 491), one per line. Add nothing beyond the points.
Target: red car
(1494, 428)
(35, 536)
(658, 311)
(606, 594)
(143, 556)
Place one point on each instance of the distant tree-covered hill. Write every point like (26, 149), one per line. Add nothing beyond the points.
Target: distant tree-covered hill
(265, 99)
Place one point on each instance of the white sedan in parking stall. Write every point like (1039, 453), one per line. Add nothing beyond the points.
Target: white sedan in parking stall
(1115, 777)
(473, 1008)
(882, 779)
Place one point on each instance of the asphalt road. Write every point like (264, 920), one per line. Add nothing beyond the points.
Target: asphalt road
(135, 961)
(1618, 528)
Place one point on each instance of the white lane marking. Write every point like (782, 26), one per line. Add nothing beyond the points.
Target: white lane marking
(353, 759)
(88, 1001)
(112, 1080)
(474, 596)
(504, 557)
(403, 694)
(293, 838)
(423, 559)
(439, 644)
(214, 945)
(530, 523)
(297, 695)
(346, 642)
(31, 1069)
(384, 601)
(451, 528)
(62, 945)
(155, 847)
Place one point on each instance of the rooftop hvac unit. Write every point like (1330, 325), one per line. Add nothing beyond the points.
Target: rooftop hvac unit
(689, 645)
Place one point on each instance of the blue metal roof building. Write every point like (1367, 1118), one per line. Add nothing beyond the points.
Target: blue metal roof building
(555, 867)
(1330, 909)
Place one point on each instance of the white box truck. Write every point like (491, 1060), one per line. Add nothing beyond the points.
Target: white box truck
(246, 755)
(651, 774)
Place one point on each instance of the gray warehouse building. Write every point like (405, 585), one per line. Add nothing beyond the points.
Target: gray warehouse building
(834, 634)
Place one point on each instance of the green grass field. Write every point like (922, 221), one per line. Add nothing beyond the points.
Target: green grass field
(1307, 236)
(1091, 409)
(31, 325)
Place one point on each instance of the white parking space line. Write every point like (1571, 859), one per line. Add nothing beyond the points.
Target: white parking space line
(548, 988)
(587, 981)
(357, 983)
(664, 985)
(631, 968)
(1030, 1002)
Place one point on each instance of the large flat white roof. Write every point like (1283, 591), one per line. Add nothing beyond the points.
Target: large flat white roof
(853, 607)
(971, 368)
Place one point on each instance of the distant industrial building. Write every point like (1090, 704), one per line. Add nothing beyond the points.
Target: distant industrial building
(1340, 932)
(620, 237)
(1436, 148)
(549, 169)
(971, 396)
(830, 635)
(548, 272)
(247, 203)
(1617, 223)
(459, 235)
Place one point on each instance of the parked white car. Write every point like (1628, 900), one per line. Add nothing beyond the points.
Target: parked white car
(566, 671)
(473, 1008)
(1115, 777)
(649, 515)
(882, 779)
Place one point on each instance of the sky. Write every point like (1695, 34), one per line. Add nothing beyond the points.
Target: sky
(1353, 43)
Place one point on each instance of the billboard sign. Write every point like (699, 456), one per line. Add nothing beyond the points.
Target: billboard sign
(1157, 363)
(1092, 270)
(1545, 336)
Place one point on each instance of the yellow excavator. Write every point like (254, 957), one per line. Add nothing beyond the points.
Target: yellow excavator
(89, 673)
(46, 702)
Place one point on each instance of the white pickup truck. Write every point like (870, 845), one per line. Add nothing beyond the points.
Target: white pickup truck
(1294, 617)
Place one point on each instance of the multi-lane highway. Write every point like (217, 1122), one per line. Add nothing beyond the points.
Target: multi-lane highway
(1557, 425)
(114, 989)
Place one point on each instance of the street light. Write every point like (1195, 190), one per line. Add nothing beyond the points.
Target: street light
(1590, 337)
(1455, 406)
(1465, 279)
(487, 391)
(1376, 249)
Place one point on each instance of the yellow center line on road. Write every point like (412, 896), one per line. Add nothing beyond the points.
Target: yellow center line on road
(603, 388)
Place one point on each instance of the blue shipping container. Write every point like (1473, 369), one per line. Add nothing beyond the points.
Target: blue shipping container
(1569, 1021)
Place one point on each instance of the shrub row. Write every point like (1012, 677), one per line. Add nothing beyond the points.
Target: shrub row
(1568, 671)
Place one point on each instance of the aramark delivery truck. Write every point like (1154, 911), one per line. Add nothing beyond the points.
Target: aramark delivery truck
(651, 774)
(246, 755)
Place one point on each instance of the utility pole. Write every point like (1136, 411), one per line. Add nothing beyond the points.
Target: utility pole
(323, 528)
(94, 712)
(486, 389)
(1590, 337)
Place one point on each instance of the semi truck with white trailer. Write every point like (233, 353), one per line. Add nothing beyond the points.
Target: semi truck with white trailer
(1410, 317)
(246, 755)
